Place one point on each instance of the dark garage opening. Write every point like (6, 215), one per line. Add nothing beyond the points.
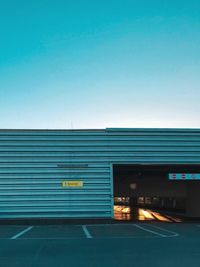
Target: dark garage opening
(145, 192)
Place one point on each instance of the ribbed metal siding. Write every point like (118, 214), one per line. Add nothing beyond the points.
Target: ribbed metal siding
(31, 169)
(33, 165)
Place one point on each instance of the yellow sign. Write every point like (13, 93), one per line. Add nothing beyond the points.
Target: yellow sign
(72, 184)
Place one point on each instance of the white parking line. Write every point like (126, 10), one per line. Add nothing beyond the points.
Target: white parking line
(150, 231)
(22, 232)
(85, 230)
(163, 229)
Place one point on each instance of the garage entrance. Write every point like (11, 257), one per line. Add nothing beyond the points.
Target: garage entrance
(145, 192)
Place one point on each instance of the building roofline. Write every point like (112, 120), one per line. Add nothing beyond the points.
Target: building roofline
(104, 130)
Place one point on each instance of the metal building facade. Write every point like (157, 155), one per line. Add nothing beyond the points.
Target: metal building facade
(34, 163)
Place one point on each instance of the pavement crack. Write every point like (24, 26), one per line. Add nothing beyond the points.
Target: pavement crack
(36, 257)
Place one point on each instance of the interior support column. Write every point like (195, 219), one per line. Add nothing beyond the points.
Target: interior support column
(193, 199)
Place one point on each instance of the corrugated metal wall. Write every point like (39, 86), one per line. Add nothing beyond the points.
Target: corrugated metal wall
(33, 164)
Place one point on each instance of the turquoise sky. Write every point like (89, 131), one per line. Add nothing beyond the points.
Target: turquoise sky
(96, 64)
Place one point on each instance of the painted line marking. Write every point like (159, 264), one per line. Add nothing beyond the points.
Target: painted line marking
(85, 230)
(21, 233)
(147, 230)
(83, 238)
(163, 229)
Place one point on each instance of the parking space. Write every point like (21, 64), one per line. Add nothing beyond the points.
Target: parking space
(113, 245)
(129, 231)
(116, 231)
(94, 231)
(54, 232)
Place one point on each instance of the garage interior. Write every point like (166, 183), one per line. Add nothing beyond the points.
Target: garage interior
(145, 192)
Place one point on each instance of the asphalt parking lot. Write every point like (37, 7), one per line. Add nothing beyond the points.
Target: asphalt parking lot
(113, 245)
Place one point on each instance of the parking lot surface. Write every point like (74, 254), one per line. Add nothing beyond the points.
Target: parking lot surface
(113, 245)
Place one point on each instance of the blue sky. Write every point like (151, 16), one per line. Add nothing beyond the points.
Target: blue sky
(97, 64)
